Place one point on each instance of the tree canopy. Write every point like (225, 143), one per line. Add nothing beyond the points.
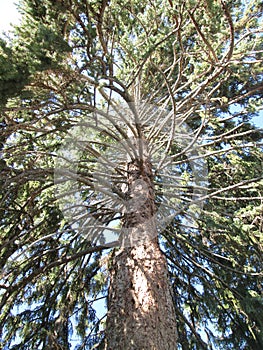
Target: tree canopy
(184, 75)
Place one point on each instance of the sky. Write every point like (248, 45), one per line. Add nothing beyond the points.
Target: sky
(8, 14)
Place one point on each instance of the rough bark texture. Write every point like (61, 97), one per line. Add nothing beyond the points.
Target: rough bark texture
(141, 315)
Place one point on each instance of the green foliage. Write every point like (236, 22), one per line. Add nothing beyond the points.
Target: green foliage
(35, 47)
(14, 75)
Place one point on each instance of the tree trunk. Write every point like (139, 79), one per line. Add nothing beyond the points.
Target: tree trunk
(141, 314)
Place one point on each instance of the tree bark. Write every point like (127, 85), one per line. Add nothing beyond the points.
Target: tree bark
(141, 314)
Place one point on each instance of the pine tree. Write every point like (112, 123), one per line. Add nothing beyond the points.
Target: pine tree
(131, 172)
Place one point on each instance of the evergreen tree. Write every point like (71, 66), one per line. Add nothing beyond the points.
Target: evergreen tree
(131, 172)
